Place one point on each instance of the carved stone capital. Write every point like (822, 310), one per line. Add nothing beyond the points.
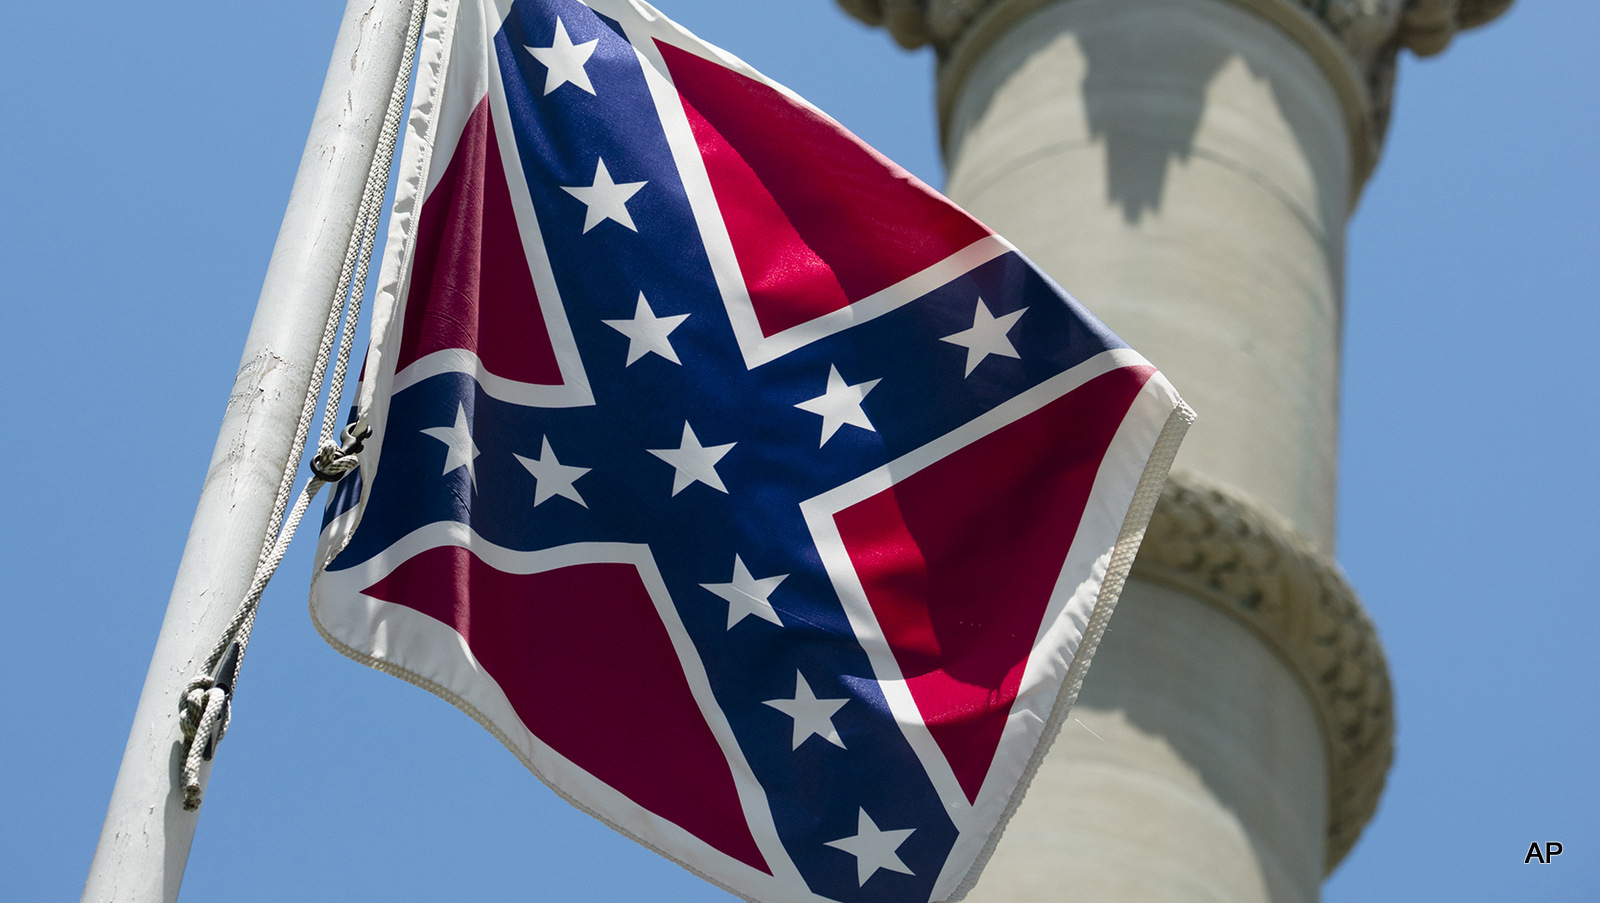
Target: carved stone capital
(1244, 560)
(1424, 26)
(1371, 32)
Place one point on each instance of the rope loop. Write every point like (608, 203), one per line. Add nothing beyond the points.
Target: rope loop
(332, 462)
(206, 714)
(191, 706)
(213, 723)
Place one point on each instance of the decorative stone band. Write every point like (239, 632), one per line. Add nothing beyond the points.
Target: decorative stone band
(1253, 566)
(1355, 41)
(1424, 26)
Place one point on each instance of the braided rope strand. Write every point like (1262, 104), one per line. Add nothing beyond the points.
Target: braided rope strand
(204, 704)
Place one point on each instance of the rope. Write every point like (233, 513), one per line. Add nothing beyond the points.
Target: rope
(204, 705)
(213, 704)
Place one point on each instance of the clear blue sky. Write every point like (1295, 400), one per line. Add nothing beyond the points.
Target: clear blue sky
(149, 152)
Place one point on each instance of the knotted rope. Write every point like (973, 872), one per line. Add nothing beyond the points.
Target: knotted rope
(205, 703)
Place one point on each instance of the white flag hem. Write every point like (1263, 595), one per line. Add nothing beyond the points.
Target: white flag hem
(1145, 496)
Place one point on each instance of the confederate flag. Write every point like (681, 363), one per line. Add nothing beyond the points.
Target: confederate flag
(765, 504)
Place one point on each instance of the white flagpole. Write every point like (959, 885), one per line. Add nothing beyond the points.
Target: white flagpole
(144, 845)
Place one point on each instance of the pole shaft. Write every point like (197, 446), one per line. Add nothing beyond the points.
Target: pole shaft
(145, 842)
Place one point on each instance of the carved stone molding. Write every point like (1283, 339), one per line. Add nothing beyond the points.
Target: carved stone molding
(1208, 543)
(1423, 26)
(1371, 32)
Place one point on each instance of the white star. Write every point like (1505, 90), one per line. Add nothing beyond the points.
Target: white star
(874, 849)
(647, 332)
(551, 477)
(459, 449)
(746, 595)
(605, 199)
(840, 404)
(565, 60)
(811, 715)
(694, 463)
(987, 336)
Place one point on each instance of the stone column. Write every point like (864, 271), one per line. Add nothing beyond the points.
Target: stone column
(1187, 168)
